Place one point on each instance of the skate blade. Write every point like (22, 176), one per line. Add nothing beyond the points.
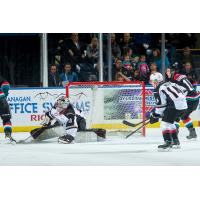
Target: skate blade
(62, 142)
(13, 142)
(165, 150)
(176, 147)
(192, 139)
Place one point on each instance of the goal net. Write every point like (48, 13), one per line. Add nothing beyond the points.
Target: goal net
(107, 104)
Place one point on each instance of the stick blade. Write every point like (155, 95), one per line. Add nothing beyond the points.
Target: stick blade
(128, 123)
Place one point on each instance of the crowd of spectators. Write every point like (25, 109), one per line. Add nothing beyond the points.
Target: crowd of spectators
(134, 57)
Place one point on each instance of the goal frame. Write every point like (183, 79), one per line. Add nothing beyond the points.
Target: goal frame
(116, 83)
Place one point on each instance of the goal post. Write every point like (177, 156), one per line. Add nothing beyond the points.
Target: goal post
(107, 104)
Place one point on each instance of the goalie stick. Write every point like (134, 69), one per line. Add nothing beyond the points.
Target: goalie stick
(137, 129)
(34, 133)
(30, 136)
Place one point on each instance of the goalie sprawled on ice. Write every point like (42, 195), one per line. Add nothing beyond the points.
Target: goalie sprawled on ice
(66, 123)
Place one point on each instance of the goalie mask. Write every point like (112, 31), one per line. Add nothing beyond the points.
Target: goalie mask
(63, 102)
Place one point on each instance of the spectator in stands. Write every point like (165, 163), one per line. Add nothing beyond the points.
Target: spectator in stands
(143, 69)
(190, 73)
(53, 76)
(94, 75)
(121, 77)
(74, 51)
(117, 67)
(68, 75)
(134, 61)
(116, 51)
(156, 58)
(127, 67)
(128, 52)
(136, 75)
(128, 42)
(143, 41)
(92, 51)
(185, 57)
(153, 68)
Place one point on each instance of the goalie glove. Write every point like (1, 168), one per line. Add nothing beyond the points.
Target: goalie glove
(49, 116)
(154, 118)
(46, 122)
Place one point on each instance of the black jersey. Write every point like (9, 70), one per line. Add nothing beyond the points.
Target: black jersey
(185, 85)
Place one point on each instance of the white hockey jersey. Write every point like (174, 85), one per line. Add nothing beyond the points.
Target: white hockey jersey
(167, 94)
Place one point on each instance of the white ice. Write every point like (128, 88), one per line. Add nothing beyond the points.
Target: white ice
(115, 151)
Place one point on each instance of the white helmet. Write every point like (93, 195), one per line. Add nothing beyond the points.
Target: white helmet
(63, 102)
(156, 77)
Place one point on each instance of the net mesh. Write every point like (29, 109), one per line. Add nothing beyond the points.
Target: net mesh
(106, 105)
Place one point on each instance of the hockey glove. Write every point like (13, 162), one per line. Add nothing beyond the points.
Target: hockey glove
(48, 118)
(5, 88)
(6, 94)
(154, 118)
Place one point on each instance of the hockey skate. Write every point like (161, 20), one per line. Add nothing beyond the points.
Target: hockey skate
(166, 146)
(192, 134)
(8, 135)
(176, 144)
(66, 139)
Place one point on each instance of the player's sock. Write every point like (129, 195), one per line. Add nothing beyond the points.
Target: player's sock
(8, 131)
(177, 124)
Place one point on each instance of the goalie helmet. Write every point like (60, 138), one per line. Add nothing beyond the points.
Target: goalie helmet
(62, 102)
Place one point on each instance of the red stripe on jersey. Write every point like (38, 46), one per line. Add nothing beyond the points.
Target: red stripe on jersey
(8, 124)
(187, 120)
(173, 131)
(5, 83)
(169, 131)
(165, 132)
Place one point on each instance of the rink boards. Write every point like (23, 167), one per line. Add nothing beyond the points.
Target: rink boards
(29, 104)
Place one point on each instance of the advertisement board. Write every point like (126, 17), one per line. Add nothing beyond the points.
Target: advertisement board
(28, 105)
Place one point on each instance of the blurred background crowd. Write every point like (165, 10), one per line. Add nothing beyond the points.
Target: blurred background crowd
(74, 57)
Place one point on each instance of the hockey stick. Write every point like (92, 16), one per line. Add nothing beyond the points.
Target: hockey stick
(34, 133)
(30, 136)
(137, 129)
(132, 124)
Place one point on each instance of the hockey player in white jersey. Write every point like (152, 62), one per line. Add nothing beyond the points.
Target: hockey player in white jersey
(171, 104)
(64, 113)
(192, 98)
(64, 121)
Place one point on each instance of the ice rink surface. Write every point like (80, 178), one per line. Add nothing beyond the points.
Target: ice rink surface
(115, 151)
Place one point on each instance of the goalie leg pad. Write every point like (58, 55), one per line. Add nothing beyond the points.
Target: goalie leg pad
(48, 132)
(35, 133)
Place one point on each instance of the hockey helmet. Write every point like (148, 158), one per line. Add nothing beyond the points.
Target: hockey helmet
(63, 102)
(156, 78)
